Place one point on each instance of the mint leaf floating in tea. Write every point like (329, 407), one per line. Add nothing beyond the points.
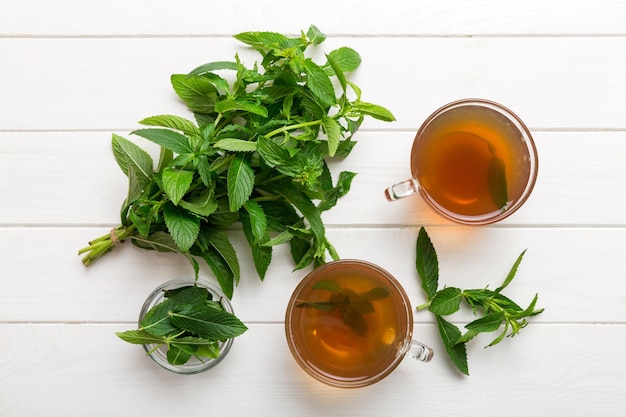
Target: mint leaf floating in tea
(253, 152)
(351, 305)
(496, 311)
(496, 176)
(189, 323)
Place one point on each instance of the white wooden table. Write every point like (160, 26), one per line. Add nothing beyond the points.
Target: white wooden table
(72, 72)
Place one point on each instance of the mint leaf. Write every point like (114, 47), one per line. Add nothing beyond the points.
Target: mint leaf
(529, 311)
(137, 165)
(450, 334)
(209, 350)
(183, 226)
(207, 322)
(159, 241)
(165, 157)
(172, 122)
(376, 293)
(177, 355)
(272, 153)
(258, 220)
(222, 245)
(315, 35)
(354, 320)
(334, 68)
(427, 263)
(198, 93)
(176, 183)
(220, 268)
(135, 190)
(308, 210)
(496, 176)
(240, 182)
(190, 294)
(236, 145)
(157, 320)
(326, 306)
(333, 134)
(203, 204)
(132, 159)
(446, 301)
(512, 272)
(347, 59)
(342, 188)
(213, 66)
(252, 223)
(488, 323)
(263, 40)
(241, 105)
(328, 285)
(319, 83)
(169, 139)
(352, 305)
(374, 110)
(140, 337)
(223, 217)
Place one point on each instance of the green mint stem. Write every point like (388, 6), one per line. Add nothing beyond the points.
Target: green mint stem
(332, 251)
(292, 127)
(424, 306)
(105, 243)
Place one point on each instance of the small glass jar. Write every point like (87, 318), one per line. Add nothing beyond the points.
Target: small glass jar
(159, 355)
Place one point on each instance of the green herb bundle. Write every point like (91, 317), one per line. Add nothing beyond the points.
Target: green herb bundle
(189, 323)
(495, 309)
(255, 155)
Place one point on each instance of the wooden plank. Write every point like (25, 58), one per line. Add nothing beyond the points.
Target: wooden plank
(434, 18)
(578, 272)
(111, 83)
(71, 178)
(79, 370)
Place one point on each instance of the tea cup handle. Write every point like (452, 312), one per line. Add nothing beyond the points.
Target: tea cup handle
(402, 189)
(416, 350)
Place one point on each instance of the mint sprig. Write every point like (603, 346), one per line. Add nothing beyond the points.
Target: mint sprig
(496, 312)
(254, 155)
(351, 305)
(189, 323)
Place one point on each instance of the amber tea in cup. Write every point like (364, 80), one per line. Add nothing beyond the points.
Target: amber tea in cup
(473, 161)
(349, 323)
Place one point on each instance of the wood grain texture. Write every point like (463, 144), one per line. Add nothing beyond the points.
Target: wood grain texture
(394, 17)
(574, 367)
(111, 83)
(75, 175)
(44, 274)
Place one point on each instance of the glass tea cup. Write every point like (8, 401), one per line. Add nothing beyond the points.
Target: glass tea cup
(349, 323)
(473, 161)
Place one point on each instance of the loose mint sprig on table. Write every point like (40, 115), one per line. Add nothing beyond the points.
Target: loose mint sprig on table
(254, 155)
(495, 311)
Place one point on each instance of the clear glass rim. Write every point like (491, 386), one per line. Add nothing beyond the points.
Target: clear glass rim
(532, 152)
(330, 379)
(194, 366)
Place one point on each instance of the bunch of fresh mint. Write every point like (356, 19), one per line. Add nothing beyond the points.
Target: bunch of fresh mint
(495, 309)
(255, 154)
